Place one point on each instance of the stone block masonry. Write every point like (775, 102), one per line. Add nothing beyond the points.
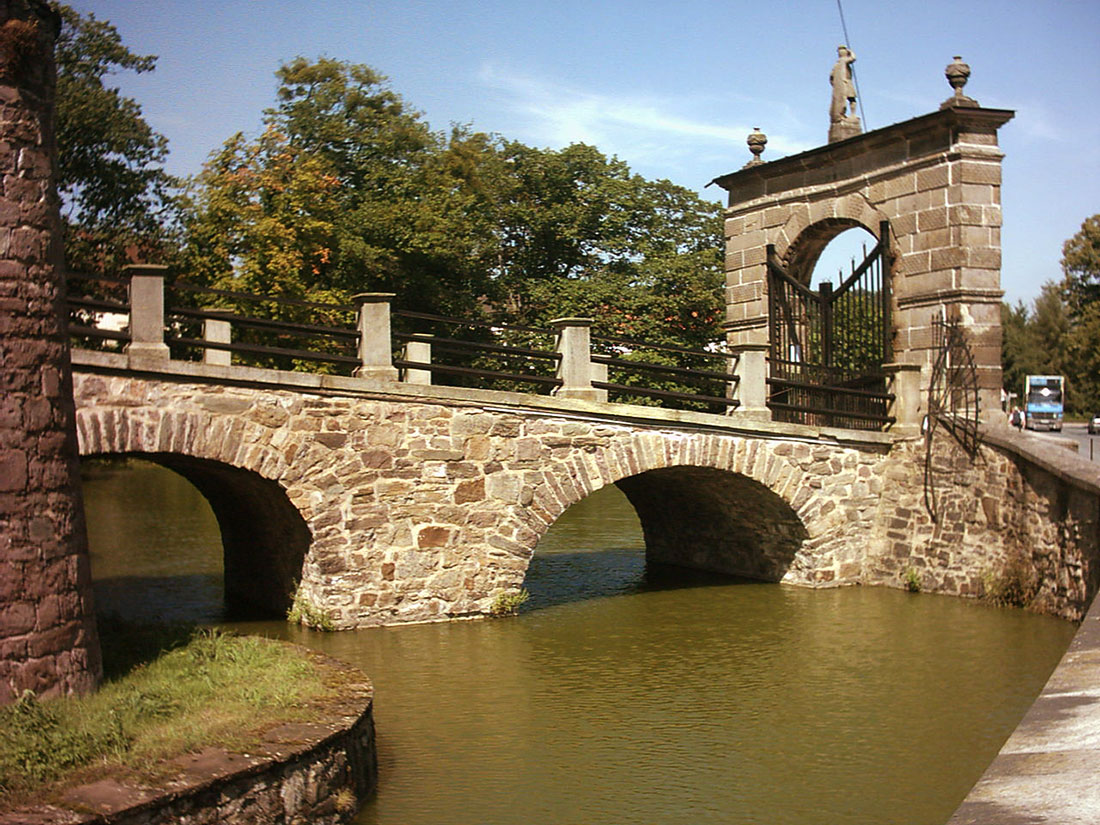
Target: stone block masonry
(936, 179)
(48, 642)
(426, 504)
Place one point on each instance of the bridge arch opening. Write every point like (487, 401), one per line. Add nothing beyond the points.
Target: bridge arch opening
(649, 530)
(264, 538)
(709, 519)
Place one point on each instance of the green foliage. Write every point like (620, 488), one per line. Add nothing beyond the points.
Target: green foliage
(1081, 266)
(117, 196)
(1020, 356)
(912, 580)
(1083, 358)
(347, 190)
(209, 692)
(1060, 334)
(303, 611)
(508, 602)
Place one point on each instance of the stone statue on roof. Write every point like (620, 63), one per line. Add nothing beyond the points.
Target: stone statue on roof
(843, 122)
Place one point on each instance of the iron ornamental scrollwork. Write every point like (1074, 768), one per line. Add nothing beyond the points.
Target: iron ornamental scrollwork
(952, 399)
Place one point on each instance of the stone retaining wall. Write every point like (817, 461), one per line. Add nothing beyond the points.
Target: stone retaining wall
(1007, 518)
(310, 774)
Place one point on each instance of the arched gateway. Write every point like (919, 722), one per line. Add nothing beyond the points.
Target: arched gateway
(929, 190)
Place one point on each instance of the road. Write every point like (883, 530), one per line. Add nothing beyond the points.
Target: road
(1078, 433)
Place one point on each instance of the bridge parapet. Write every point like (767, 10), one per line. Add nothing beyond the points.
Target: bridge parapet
(587, 365)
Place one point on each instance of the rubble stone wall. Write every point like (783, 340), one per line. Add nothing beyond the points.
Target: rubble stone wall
(1007, 517)
(421, 511)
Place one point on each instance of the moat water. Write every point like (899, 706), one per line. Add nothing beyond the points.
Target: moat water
(627, 695)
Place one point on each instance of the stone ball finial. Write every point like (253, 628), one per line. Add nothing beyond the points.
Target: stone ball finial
(957, 74)
(756, 141)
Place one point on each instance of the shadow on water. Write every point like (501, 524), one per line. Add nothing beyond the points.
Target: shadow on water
(596, 550)
(196, 598)
(560, 578)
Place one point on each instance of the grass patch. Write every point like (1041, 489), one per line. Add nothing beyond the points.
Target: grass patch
(304, 612)
(911, 579)
(214, 689)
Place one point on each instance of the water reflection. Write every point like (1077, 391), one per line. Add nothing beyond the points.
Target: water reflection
(623, 695)
(155, 546)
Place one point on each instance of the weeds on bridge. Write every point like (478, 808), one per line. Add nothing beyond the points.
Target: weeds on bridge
(508, 602)
(1016, 584)
(911, 579)
(303, 611)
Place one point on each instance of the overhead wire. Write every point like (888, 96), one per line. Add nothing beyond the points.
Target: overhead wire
(855, 80)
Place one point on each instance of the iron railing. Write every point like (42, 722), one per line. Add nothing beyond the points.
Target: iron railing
(284, 333)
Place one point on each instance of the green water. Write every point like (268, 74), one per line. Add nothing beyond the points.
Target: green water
(622, 695)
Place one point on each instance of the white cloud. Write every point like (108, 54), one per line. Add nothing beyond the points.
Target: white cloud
(644, 130)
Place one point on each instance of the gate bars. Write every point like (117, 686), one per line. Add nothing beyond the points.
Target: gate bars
(827, 347)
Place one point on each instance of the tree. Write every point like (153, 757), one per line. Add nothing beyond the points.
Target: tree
(1019, 353)
(110, 175)
(1061, 335)
(1083, 354)
(1050, 324)
(345, 191)
(1081, 287)
(452, 224)
(1081, 266)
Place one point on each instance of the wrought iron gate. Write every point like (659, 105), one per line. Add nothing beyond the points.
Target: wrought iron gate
(828, 346)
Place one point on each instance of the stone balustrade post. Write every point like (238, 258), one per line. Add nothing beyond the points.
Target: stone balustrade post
(147, 311)
(217, 331)
(375, 355)
(751, 389)
(419, 352)
(905, 381)
(575, 369)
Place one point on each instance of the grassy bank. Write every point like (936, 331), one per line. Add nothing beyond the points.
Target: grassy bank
(211, 689)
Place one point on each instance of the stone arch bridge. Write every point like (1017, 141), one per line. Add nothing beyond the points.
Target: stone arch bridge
(382, 502)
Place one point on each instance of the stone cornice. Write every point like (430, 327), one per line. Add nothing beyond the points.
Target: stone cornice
(928, 134)
(963, 295)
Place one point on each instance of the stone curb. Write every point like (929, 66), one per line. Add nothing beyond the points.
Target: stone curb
(1063, 463)
(292, 775)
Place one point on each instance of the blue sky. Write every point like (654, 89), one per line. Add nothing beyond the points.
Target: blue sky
(672, 88)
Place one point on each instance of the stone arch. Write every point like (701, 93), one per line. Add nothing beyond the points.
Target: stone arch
(801, 255)
(265, 538)
(740, 506)
(709, 519)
